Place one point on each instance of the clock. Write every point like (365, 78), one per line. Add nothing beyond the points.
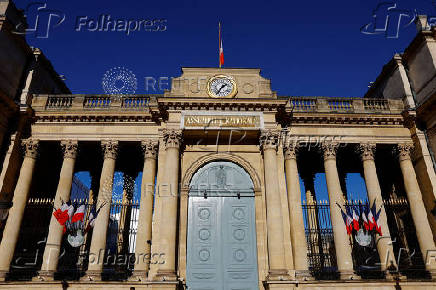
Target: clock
(221, 86)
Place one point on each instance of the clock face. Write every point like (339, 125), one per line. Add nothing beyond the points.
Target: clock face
(221, 87)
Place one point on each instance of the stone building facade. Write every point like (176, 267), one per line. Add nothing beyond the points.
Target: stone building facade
(221, 157)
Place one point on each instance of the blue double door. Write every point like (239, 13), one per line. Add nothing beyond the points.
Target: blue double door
(221, 245)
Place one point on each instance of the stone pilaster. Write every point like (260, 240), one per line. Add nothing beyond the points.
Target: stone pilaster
(143, 236)
(54, 239)
(298, 235)
(98, 242)
(19, 201)
(276, 251)
(384, 244)
(168, 195)
(417, 208)
(342, 243)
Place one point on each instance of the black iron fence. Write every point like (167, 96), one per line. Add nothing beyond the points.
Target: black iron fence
(321, 249)
(319, 236)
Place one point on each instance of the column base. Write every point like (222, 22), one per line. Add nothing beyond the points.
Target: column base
(3, 275)
(432, 274)
(279, 275)
(138, 276)
(44, 276)
(304, 275)
(166, 275)
(91, 276)
(348, 275)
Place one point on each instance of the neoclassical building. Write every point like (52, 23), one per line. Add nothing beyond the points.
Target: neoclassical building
(227, 171)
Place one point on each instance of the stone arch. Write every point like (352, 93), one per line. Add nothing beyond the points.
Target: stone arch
(221, 157)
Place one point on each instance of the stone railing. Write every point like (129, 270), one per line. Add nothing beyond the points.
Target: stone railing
(345, 105)
(91, 102)
(141, 102)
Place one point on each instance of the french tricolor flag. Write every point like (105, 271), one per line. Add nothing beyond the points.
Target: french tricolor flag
(61, 214)
(221, 51)
(79, 214)
(355, 221)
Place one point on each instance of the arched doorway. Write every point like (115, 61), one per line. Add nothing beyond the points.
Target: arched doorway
(221, 241)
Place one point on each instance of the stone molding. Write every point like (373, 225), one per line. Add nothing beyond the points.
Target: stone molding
(30, 147)
(110, 149)
(172, 138)
(69, 147)
(150, 148)
(366, 151)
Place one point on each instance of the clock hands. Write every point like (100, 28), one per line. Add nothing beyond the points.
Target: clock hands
(222, 87)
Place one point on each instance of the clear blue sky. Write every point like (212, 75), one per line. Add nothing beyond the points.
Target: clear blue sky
(304, 47)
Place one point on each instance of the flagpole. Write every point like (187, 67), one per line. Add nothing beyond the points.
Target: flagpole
(219, 43)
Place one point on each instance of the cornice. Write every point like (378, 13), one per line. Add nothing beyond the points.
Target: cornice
(88, 117)
(242, 104)
(351, 119)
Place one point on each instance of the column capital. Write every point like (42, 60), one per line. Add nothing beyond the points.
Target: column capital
(31, 147)
(172, 138)
(329, 149)
(149, 148)
(69, 147)
(366, 151)
(269, 139)
(291, 150)
(110, 149)
(404, 151)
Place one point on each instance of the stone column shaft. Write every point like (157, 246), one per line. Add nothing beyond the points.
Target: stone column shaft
(342, 243)
(274, 218)
(417, 208)
(384, 244)
(54, 239)
(98, 242)
(298, 234)
(21, 194)
(168, 194)
(143, 236)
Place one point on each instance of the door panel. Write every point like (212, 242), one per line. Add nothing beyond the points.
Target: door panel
(222, 251)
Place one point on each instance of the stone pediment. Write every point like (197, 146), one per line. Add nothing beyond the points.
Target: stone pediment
(193, 83)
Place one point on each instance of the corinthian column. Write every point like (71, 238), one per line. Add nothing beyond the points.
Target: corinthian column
(298, 234)
(21, 194)
(417, 208)
(274, 218)
(384, 244)
(54, 239)
(342, 243)
(143, 236)
(98, 242)
(168, 195)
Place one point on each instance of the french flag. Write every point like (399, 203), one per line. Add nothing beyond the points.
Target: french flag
(221, 51)
(79, 214)
(355, 221)
(61, 214)
(348, 222)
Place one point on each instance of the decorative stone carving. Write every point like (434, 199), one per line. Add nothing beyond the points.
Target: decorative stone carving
(110, 149)
(367, 151)
(31, 147)
(69, 147)
(269, 139)
(404, 151)
(330, 149)
(291, 150)
(150, 148)
(172, 138)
